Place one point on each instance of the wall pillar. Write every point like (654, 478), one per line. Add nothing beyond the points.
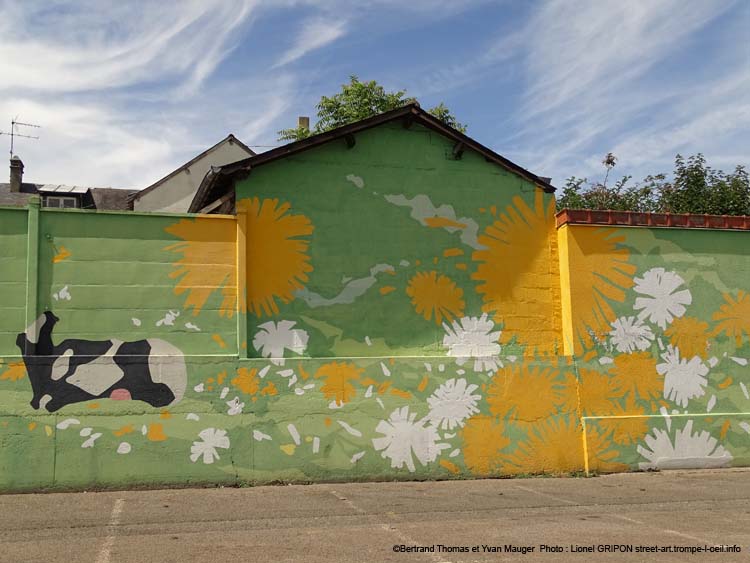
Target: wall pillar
(32, 267)
(241, 269)
(568, 331)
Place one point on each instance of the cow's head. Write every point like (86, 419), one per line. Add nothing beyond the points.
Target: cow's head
(37, 338)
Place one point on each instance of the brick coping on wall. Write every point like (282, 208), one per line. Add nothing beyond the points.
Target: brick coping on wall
(635, 219)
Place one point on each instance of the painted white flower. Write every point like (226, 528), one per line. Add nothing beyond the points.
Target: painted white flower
(235, 406)
(452, 403)
(683, 379)
(664, 301)
(211, 438)
(403, 438)
(689, 450)
(274, 338)
(629, 334)
(472, 337)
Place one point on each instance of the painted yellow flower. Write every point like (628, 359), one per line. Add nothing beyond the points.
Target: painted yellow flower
(524, 392)
(277, 263)
(556, 446)
(435, 294)
(277, 259)
(247, 381)
(599, 273)
(208, 261)
(626, 431)
(337, 384)
(593, 394)
(636, 375)
(519, 273)
(690, 335)
(733, 317)
(14, 371)
(484, 441)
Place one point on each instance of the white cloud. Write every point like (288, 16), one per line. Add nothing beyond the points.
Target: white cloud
(314, 34)
(69, 47)
(612, 75)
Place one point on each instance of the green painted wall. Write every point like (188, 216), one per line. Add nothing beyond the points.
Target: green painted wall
(382, 311)
(387, 213)
(665, 337)
(13, 231)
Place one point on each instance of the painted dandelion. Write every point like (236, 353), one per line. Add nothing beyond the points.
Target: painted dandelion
(688, 450)
(452, 403)
(683, 379)
(435, 296)
(664, 299)
(210, 440)
(473, 338)
(275, 337)
(405, 438)
(629, 334)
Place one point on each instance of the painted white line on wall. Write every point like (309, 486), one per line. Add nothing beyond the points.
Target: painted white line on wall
(109, 541)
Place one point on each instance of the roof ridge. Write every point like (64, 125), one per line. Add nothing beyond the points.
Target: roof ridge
(412, 109)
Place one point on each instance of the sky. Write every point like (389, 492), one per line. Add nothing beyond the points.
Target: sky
(126, 91)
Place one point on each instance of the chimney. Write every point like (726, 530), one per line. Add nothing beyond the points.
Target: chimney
(303, 122)
(16, 174)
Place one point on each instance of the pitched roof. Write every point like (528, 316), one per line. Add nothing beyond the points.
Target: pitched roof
(104, 199)
(229, 138)
(13, 199)
(217, 181)
(110, 199)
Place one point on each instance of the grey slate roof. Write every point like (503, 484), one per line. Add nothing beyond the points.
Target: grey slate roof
(111, 199)
(103, 199)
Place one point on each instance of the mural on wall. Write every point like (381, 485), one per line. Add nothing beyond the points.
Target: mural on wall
(672, 353)
(394, 328)
(75, 370)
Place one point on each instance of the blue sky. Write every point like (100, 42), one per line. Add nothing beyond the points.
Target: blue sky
(126, 91)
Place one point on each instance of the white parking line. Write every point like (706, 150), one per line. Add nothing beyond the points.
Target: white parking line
(405, 539)
(541, 494)
(109, 541)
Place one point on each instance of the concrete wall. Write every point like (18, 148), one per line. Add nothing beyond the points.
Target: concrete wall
(174, 193)
(369, 313)
(659, 322)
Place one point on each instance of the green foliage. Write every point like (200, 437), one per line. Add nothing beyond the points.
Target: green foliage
(695, 188)
(360, 100)
(296, 134)
(444, 114)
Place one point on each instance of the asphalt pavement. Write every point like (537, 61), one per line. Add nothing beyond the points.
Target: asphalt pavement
(678, 516)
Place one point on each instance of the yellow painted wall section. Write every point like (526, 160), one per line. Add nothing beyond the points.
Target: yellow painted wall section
(599, 273)
(518, 275)
(565, 301)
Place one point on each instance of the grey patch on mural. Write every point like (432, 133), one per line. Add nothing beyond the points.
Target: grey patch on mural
(168, 319)
(422, 208)
(356, 180)
(63, 294)
(352, 289)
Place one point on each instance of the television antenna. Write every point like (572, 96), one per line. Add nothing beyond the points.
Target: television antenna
(14, 124)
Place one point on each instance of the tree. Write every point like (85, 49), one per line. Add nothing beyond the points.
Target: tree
(694, 188)
(359, 100)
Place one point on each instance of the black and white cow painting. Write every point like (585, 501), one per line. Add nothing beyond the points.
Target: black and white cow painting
(150, 370)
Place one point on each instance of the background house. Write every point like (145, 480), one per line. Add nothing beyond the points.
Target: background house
(176, 190)
(16, 193)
